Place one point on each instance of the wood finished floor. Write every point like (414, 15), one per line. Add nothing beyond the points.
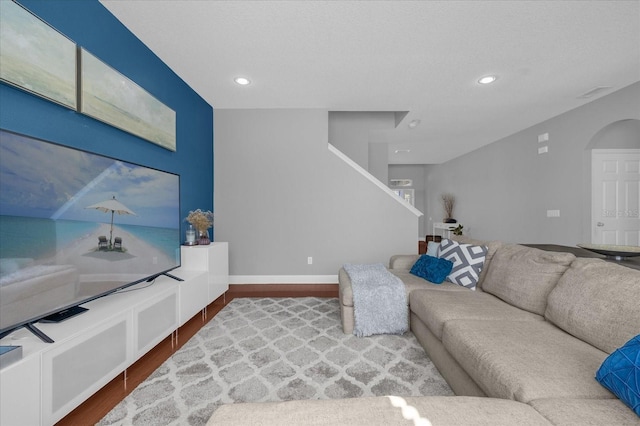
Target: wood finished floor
(103, 401)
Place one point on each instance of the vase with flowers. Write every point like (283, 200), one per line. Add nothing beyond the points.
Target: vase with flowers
(448, 202)
(201, 221)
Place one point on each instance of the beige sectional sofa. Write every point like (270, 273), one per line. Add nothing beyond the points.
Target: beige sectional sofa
(531, 338)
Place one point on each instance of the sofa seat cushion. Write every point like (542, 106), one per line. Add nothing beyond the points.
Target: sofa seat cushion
(435, 308)
(383, 410)
(411, 282)
(586, 412)
(597, 302)
(525, 360)
(524, 276)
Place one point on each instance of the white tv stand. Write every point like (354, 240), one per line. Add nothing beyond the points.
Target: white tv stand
(91, 349)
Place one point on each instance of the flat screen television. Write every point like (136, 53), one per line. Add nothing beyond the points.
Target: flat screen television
(75, 226)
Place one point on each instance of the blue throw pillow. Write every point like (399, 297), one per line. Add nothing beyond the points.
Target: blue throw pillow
(620, 373)
(432, 268)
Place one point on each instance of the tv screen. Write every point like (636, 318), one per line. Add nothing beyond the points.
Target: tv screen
(75, 226)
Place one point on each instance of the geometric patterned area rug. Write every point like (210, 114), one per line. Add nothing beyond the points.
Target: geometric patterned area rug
(276, 349)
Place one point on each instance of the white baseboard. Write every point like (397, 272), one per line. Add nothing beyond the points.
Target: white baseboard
(283, 279)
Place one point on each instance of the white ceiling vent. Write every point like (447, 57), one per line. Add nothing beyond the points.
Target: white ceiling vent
(394, 183)
(595, 91)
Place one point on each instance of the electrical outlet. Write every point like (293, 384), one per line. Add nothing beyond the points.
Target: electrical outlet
(309, 260)
(553, 213)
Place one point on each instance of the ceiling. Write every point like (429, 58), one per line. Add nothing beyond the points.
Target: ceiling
(424, 57)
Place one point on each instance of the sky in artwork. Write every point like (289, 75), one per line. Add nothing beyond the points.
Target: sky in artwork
(35, 56)
(41, 179)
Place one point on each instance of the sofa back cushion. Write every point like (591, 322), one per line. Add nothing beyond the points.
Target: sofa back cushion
(492, 247)
(598, 302)
(403, 261)
(524, 276)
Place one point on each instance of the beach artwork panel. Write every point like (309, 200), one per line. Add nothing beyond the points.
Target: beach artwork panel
(35, 57)
(111, 97)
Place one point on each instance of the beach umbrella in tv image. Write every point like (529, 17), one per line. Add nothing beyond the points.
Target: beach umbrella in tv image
(112, 206)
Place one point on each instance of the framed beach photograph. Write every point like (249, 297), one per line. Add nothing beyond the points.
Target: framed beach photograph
(35, 57)
(109, 96)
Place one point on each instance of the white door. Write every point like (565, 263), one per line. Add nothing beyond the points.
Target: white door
(615, 186)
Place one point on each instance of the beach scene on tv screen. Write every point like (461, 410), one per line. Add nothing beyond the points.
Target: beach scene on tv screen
(75, 224)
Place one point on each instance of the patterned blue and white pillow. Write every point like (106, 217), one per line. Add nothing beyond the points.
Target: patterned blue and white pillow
(468, 261)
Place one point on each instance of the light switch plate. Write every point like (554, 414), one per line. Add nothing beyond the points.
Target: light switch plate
(543, 137)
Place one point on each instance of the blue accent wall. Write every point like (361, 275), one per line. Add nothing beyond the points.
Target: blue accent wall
(93, 27)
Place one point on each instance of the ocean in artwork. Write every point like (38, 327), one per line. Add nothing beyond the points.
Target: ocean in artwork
(29, 237)
(164, 239)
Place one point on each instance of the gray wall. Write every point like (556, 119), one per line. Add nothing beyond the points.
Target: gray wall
(281, 196)
(504, 189)
(353, 132)
(379, 162)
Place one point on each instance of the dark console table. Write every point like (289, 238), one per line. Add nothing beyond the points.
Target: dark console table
(631, 262)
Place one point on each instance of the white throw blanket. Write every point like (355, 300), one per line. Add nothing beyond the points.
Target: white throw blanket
(379, 300)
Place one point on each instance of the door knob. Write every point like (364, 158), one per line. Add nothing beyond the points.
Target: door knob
(599, 224)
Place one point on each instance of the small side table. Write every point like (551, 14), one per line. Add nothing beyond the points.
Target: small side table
(444, 229)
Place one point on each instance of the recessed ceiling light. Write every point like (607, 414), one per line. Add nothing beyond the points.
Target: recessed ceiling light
(242, 81)
(414, 123)
(487, 79)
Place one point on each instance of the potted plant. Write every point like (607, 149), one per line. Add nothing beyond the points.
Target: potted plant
(201, 221)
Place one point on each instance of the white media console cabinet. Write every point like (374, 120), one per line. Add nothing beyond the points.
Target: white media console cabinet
(93, 348)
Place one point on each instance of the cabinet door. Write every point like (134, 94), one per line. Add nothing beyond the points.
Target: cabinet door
(76, 369)
(154, 321)
(214, 259)
(20, 391)
(194, 294)
(218, 270)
